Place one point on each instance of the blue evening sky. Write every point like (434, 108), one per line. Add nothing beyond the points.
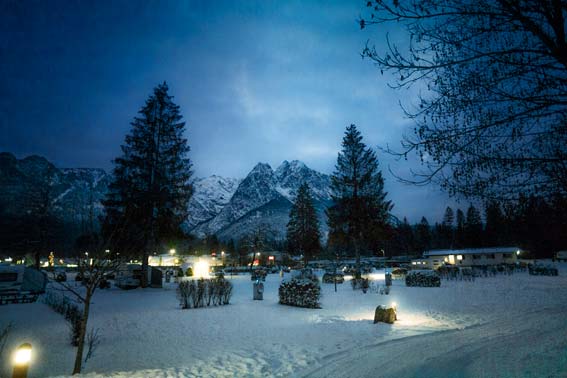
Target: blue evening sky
(256, 81)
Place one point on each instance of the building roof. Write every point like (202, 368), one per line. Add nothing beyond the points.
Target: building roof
(470, 251)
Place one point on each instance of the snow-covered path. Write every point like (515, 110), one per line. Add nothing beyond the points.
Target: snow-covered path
(507, 347)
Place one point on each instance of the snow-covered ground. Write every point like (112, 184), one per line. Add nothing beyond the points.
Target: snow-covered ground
(509, 326)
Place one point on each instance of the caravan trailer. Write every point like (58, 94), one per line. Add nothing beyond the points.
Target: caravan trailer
(20, 284)
(129, 276)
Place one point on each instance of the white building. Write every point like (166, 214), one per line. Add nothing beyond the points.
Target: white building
(467, 257)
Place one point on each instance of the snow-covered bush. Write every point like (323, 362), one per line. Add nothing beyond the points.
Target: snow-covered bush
(423, 279)
(360, 283)
(204, 292)
(300, 293)
(542, 270)
(72, 312)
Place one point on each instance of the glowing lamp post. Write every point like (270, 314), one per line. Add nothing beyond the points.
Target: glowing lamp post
(22, 360)
(172, 251)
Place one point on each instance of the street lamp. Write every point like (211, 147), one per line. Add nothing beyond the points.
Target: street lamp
(172, 251)
(222, 257)
(22, 360)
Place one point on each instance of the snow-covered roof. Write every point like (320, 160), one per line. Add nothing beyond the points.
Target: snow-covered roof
(470, 251)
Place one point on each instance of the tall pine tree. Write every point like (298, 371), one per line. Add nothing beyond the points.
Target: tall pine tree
(358, 219)
(446, 229)
(303, 233)
(423, 232)
(147, 199)
(460, 230)
(473, 228)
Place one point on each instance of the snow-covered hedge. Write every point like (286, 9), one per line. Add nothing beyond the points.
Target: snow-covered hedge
(72, 313)
(423, 279)
(360, 283)
(204, 292)
(300, 293)
(542, 270)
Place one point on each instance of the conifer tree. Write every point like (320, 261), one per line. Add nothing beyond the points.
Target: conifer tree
(446, 229)
(473, 228)
(303, 234)
(494, 232)
(359, 216)
(148, 196)
(460, 230)
(423, 232)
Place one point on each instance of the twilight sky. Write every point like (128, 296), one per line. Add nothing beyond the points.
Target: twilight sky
(256, 81)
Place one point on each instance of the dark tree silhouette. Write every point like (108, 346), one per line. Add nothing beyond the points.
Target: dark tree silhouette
(147, 199)
(492, 115)
(303, 234)
(473, 228)
(358, 220)
(423, 232)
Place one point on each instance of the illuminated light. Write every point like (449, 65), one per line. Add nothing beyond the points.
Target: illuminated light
(107, 251)
(172, 251)
(201, 269)
(8, 259)
(459, 257)
(518, 252)
(23, 354)
(271, 258)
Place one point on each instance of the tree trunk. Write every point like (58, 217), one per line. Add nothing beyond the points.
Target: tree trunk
(37, 258)
(144, 278)
(357, 255)
(82, 333)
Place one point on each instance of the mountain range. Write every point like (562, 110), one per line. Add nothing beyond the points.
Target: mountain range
(226, 207)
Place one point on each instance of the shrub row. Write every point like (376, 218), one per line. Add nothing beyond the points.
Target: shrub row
(300, 293)
(204, 292)
(542, 270)
(423, 279)
(360, 283)
(72, 312)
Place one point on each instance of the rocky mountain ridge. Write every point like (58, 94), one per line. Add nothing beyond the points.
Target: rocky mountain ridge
(228, 207)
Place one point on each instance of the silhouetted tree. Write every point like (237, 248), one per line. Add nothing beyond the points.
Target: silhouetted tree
(492, 120)
(423, 233)
(359, 216)
(460, 230)
(473, 228)
(494, 231)
(303, 234)
(147, 199)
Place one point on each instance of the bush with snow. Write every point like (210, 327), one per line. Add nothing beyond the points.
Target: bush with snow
(423, 279)
(204, 292)
(360, 283)
(72, 312)
(300, 293)
(542, 270)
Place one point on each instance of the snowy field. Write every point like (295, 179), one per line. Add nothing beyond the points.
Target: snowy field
(503, 326)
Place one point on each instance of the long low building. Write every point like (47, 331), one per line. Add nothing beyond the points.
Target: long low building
(467, 257)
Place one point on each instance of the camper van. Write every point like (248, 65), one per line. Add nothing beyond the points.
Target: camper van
(20, 284)
(129, 276)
